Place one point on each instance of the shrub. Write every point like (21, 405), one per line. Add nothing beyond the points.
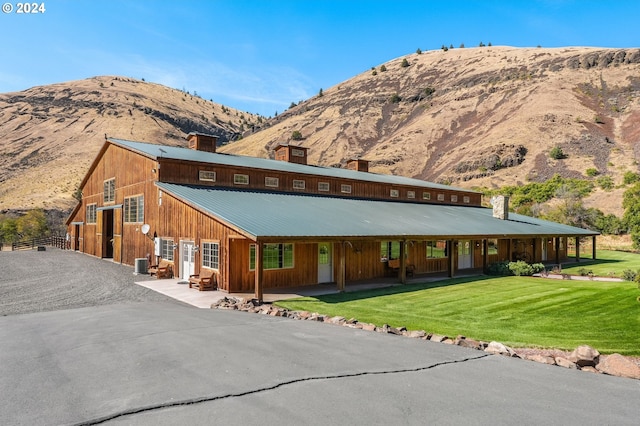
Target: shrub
(395, 98)
(592, 172)
(629, 275)
(630, 177)
(383, 68)
(404, 63)
(520, 268)
(556, 153)
(499, 269)
(538, 267)
(418, 51)
(605, 182)
(296, 135)
(584, 272)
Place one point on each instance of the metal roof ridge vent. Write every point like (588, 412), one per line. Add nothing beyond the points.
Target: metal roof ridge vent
(500, 205)
(291, 153)
(202, 142)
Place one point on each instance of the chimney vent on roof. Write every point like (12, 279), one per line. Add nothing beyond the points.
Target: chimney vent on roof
(358, 164)
(291, 153)
(202, 142)
(500, 205)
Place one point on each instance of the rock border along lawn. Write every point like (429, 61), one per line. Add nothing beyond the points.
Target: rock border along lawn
(584, 358)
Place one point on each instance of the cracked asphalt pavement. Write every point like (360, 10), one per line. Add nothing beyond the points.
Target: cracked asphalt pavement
(158, 362)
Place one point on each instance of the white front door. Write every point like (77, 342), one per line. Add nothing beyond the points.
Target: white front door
(465, 254)
(325, 263)
(188, 259)
(544, 249)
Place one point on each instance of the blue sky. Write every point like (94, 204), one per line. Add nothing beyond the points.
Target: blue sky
(259, 56)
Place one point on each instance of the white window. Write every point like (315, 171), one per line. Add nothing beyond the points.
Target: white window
(323, 186)
(91, 213)
(271, 182)
(166, 249)
(394, 193)
(345, 188)
(440, 197)
(109, 195)
(466, 199)
(211, 255)
(241, 179)
(454, 198)
(411, 194)
(207, 175)
(134, 209)
(298, 184)
(426, 195)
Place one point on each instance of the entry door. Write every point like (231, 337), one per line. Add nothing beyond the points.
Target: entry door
(188, 259)
(465, 256)
(544, 249)
(325, 264)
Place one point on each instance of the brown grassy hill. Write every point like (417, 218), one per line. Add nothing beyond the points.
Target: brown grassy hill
(50, 134)
(477, 117)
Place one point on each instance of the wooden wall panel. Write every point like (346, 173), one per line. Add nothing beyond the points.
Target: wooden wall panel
(187, 173)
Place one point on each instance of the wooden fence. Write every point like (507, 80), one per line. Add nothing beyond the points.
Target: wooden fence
(59, 242)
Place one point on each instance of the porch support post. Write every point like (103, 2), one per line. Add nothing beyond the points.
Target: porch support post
(485, 247)
(259, 272)
(593, 247)
(557, 251)
(509, 254)
(534, 259)
(450, 259)
(577, 249)
(342, 266)
(403, 262)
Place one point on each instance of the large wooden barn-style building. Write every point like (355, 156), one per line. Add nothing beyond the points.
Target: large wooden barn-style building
(259, 223)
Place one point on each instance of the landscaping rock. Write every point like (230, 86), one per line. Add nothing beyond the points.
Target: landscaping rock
(498, 348)
(564, 362)
(543, 359)
(617, 365)
(438, 338)
(584, 356)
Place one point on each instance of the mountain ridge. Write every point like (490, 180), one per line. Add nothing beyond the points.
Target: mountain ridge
(480, 117)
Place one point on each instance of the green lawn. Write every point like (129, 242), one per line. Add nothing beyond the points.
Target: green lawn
(518, 311)
(607, 263)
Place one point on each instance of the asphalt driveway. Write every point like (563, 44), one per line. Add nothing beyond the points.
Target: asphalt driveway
(159, 362)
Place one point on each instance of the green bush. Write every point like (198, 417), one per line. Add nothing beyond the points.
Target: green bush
(605, 182)
(630, 275)
(592, 172)
(520, 268)
(630, 177)
(556, 153)
(404, 63)
(498, 268)
(296, 135)
(584, 272)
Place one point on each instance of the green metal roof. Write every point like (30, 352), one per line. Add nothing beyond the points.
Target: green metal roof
(186, 154)
(277, 215)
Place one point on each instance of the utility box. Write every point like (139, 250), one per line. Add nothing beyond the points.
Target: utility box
(141, 266)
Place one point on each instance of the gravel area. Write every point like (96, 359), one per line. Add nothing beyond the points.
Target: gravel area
(54, 279)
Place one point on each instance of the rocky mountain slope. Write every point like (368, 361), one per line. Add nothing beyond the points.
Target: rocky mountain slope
(472, 117)
(476, 117)
(49, 135)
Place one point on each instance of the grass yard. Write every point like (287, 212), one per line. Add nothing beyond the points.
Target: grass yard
(518, 311)
(608, 263)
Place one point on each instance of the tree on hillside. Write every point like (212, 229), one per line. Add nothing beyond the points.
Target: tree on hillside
(296, 135)
(631, 218)
(419, 51)
(405, 63)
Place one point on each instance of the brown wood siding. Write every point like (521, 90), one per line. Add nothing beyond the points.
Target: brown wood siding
(133, 174)
(188, 173)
